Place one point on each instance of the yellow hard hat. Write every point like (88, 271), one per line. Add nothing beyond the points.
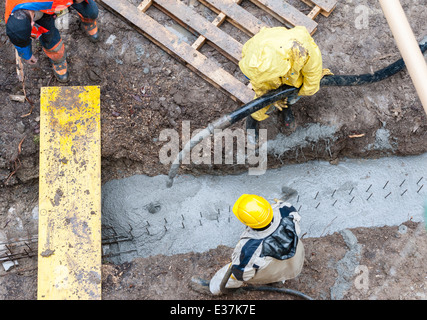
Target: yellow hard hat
(253, 211)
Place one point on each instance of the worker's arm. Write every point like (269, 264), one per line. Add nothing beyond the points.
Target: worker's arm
(312, 73)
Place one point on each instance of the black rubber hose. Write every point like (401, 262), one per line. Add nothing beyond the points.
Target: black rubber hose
(356, 80)
(282, 290)
(225, 290)
(272, 96)
(333, 80)
(280, 94)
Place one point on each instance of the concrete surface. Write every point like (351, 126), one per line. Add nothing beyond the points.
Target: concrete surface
(195, 214)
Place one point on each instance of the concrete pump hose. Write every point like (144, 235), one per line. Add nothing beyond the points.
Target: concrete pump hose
(281, 93)
(219, 124)
(227, 275)
(226, 121)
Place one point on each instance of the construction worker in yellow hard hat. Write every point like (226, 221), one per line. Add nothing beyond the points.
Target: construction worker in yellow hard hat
(277, 56)
(269, 250)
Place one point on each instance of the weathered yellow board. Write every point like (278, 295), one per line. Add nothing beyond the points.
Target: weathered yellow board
(69, 253)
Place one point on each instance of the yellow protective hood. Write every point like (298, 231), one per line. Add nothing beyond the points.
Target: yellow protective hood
(264, 60)
(276, 55)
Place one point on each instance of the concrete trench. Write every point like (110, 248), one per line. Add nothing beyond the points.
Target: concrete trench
(142, 217)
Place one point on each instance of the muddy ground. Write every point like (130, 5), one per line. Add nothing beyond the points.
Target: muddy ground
(385, 263)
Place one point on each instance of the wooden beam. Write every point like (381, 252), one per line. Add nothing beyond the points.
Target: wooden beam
(236, 15)
(314, 13)
(144, 5)
(326, 6)
(222, 41)
(201, 39)
(286, 13)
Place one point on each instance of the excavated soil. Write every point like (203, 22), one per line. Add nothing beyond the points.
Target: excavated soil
(145, 90)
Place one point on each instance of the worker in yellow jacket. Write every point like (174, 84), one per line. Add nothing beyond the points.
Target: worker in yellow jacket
(277, 56)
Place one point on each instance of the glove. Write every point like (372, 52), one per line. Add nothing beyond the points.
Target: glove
(289, 100)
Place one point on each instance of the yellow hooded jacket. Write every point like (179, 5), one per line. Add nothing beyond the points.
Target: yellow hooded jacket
(277, 56)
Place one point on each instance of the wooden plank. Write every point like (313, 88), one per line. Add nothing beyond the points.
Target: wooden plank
(219, 39)
(69, 252)
(326, 6)
(314, 13)
(236, 15)
(144, 5)
(201, 39)
(286, 13)
(169, 42)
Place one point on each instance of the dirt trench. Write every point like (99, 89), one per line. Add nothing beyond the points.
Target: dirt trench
(144, 90)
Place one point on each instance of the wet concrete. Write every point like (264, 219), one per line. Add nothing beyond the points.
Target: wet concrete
(195, 214)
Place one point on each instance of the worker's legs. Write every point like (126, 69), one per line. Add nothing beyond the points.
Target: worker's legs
(88, 13)
(215, 283)
(53, 47)
(252, 130)
(287, 115)
(285, 106)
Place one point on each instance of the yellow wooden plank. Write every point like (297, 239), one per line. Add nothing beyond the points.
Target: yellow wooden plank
(69, 253)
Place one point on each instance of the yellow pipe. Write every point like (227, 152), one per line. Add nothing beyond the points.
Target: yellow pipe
(408, 46)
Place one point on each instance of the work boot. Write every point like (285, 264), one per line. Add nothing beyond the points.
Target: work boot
(288, 117)
(200, 285)
(253, 135)
(90, 27)
(58, 57)
(61, 71)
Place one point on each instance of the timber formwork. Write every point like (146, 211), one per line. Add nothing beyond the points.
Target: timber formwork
(210, 32)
